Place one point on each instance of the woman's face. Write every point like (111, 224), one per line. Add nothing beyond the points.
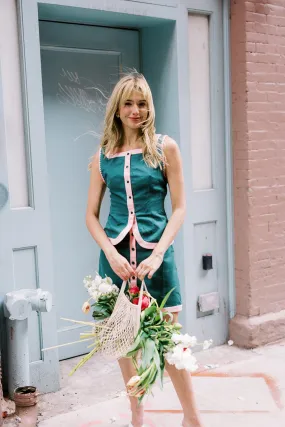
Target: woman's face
(134, 111)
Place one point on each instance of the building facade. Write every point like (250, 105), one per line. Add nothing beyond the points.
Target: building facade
(258, 132)
(216, 71)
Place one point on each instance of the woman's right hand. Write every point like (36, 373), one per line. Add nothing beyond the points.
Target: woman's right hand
(120, 265)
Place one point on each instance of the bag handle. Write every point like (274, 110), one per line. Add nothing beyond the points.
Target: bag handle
(143, 287)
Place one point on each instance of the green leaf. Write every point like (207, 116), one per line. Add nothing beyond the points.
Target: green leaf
(148, 352)
(150, 310)
(166, 298)
(157, 361)
(136, 346)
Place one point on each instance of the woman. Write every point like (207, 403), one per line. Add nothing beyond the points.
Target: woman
(136, 244)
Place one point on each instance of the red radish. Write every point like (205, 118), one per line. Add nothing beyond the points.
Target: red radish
(135, 301)
(134, 290)
(145, 302)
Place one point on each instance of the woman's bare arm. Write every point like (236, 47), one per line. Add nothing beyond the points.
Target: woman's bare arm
(175, 179)
(174, 173)
(96, 193)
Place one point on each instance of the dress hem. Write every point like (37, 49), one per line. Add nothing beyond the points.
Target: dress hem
(173, 309)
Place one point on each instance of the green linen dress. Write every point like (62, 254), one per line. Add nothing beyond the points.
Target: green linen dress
(137, 220)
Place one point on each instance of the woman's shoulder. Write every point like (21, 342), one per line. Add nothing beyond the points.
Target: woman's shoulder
(168, 143)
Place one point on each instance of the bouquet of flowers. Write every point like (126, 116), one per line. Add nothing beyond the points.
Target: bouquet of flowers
(158, 339)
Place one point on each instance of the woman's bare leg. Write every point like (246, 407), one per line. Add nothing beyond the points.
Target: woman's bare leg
(181, 380)
(128, 371)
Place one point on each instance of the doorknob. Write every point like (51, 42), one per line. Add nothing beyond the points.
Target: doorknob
(3, 196)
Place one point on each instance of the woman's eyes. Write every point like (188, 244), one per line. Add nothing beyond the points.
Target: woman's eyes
(141, 105)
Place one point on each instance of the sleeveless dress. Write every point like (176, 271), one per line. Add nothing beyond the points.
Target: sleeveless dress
(137, 220)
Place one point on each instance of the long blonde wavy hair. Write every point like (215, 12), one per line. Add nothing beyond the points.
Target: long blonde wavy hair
(113, 130)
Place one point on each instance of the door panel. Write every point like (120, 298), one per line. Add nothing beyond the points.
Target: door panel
(80, 65)
(25, 243)
(207, 227)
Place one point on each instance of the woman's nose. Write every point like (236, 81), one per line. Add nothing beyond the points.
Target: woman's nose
(135, 109)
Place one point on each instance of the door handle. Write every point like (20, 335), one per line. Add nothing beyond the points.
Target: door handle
(4, 194)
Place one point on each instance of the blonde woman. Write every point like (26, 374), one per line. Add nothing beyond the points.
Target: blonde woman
(137, 165)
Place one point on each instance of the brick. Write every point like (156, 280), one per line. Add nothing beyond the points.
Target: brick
(261, 154)
(255, 17)
(264, 28)
(265, 68)
(267, 87)
(264, 58)
(262, 9)
(279, 5)
(276, 97)
(276, 20)
(250, 26)
(250, 47)
(250, 6)
(277, 39)
(267, 48)
(257, 37)
(258, 96)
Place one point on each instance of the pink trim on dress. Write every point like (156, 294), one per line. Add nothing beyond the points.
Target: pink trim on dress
(130, 202)
(133, 257)
(124, 153)
(162, 142)
(100, 170)
(174, 309)
(123, 233)
(141, 241)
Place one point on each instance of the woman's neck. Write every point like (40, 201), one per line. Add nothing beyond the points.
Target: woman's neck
(131, 139)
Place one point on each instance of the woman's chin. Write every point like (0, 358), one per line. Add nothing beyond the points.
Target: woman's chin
(133, 126)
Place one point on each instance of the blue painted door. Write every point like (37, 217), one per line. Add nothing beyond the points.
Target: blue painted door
(80, 66)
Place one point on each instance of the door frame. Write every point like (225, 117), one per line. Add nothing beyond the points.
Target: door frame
(28, 13)
(229, 158)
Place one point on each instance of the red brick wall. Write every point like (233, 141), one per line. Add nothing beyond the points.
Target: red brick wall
(258, 121)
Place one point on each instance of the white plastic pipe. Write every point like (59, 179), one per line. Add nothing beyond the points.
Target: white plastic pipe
(18, 355)
(17, 307)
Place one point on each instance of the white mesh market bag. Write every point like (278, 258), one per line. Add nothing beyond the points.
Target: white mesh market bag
(120, 329)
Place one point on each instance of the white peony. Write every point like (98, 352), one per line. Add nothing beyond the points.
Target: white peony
(98, 286)
(105, 288)
(115, 288)
(107, 280)
(176, 338)
(189, 341)
(185, 339)
(94, 294)
(87, 281)
(98, 280)
(182, 358)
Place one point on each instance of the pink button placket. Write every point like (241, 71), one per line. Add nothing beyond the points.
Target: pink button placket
(131, 208)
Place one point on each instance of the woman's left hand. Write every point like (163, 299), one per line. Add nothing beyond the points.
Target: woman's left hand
(149, 266)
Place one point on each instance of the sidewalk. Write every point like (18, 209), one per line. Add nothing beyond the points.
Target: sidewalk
(247, 388)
